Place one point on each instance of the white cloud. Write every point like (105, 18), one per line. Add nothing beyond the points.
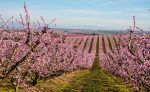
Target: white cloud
(84, 11)
(121, 12)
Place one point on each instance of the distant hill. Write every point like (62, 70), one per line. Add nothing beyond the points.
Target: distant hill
(94, 31)
(91, 31)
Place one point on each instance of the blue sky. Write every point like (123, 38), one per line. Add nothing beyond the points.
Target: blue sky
(99, 14)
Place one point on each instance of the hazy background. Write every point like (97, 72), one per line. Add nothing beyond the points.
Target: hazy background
(87, 14)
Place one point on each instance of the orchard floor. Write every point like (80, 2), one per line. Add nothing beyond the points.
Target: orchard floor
(93, 80)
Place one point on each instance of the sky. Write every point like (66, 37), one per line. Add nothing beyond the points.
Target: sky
(87, 14)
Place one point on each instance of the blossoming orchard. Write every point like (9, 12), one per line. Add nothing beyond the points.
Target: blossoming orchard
(37, 58)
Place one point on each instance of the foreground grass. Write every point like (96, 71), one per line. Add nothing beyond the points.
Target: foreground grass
(57, 84)
(93, 80)
(6, 89)
(61, 83)
(5, 86)
(98, 81)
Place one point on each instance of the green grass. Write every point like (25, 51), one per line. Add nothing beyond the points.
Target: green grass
(97, 81)
(6, 89)
(6, 86)
(61, 83)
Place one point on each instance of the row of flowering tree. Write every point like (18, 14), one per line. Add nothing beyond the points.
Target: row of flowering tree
(131, 58)
(28, 56)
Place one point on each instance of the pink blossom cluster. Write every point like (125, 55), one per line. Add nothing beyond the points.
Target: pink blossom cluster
(29, 55)
(93, 50)
(86, 49)
(130, 59)
(33, 56)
